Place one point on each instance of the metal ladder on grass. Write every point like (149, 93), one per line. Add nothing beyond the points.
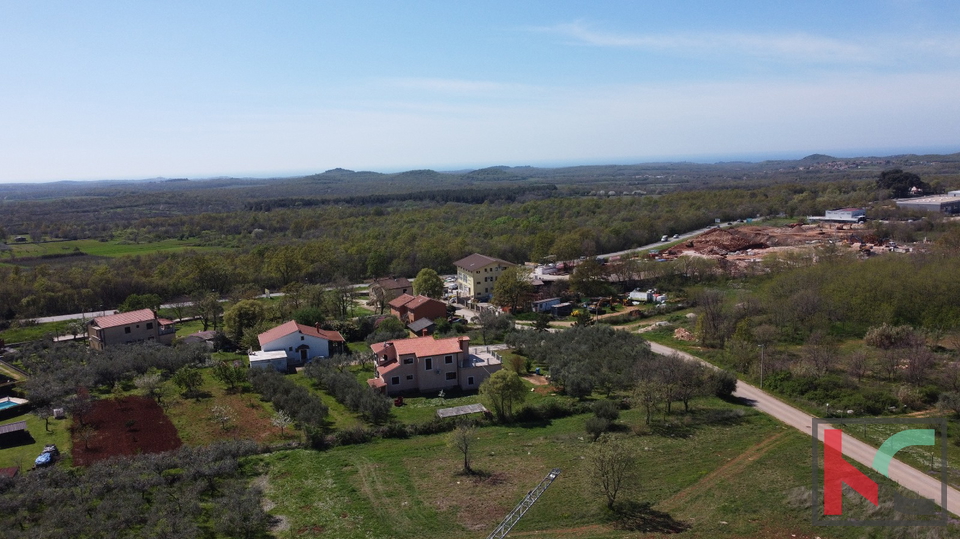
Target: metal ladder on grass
(511, 520)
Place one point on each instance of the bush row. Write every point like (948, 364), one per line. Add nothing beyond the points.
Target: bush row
(350, 392)
(296, 401)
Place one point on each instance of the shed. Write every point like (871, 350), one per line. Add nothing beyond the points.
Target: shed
(276, 359)
(561, 310)
(544, 305)
(422, 327)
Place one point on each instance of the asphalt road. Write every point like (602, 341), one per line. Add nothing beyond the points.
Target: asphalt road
(907, 476)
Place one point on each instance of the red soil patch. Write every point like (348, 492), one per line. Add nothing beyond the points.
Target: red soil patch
(126, 426)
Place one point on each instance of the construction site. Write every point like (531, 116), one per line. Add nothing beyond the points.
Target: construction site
(740, 246)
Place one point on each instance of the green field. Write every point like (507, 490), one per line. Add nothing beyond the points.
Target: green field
(108, 249)
(721, 471)
(24, 455)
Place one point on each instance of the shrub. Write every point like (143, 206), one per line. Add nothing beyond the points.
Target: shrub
(606, 409)
(724, 384)
(356, 435)
(596, 426)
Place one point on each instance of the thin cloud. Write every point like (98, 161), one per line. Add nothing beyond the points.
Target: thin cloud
(454, 86)
(794, 46)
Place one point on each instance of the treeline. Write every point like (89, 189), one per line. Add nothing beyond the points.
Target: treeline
(57, 370)
(584, 360)
(441, 196)
(318, 245)
(191, 492)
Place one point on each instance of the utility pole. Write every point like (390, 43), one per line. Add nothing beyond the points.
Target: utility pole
(761, 366)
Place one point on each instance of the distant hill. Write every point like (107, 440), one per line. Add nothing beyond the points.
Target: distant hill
(818, 158)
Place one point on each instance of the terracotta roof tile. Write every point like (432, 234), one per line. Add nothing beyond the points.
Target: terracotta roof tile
(292, 327)
(400, 301)
(428, 346)
(124, 319)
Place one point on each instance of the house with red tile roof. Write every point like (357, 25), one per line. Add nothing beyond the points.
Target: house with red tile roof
(409, 308)
(291, 344)
(426, 365)
(129, 327)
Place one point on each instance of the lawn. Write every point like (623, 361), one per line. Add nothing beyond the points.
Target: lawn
(250, 417)
(722, 471)
(34, 332)
(110, 249)
(24, 455)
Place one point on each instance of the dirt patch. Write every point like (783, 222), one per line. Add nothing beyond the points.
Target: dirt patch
(127, 426)
(736, 248)
(537, 379)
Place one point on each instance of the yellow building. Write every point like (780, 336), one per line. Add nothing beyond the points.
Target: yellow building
(477, 273)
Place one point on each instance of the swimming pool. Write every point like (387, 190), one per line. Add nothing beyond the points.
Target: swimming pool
(8, 404)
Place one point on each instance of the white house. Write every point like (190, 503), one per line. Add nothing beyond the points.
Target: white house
(298, 343)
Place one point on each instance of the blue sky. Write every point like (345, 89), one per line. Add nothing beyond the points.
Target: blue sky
(111, 90)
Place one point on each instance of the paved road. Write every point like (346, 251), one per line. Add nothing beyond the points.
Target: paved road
(907, 476)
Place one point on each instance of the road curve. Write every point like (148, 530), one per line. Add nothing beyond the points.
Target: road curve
(907, 476)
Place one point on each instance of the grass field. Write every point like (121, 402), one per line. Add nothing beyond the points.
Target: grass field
(110, 249)
(722, 471)
(24, 455)
(34, 332)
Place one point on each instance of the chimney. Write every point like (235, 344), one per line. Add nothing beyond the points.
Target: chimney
(464, 346)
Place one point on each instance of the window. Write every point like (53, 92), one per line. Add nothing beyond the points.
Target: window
(301, 337)
(149, 325)
(409, 377)
(448, 359)
(452, 375)
(395, 380)
(428, 363)
(470, 380)
(126, 329)
(407, 360)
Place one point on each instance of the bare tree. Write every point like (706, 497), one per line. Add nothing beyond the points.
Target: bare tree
(857, 364)
(889, 362)
(920, 361)
(462, 438)
(611, 467)
(86, 433)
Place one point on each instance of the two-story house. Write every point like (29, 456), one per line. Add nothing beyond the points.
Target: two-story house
(293, 344)
(409, 308)
(476, 275)
(426, 364)
(130, 327)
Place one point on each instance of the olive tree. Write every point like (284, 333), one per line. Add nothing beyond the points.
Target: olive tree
(502, 391)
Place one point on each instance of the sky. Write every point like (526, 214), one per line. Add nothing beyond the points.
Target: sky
(132, 90)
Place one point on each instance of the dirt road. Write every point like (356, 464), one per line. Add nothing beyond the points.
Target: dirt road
(907, 476)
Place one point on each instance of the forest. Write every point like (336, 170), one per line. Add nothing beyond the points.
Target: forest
(231, 243)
